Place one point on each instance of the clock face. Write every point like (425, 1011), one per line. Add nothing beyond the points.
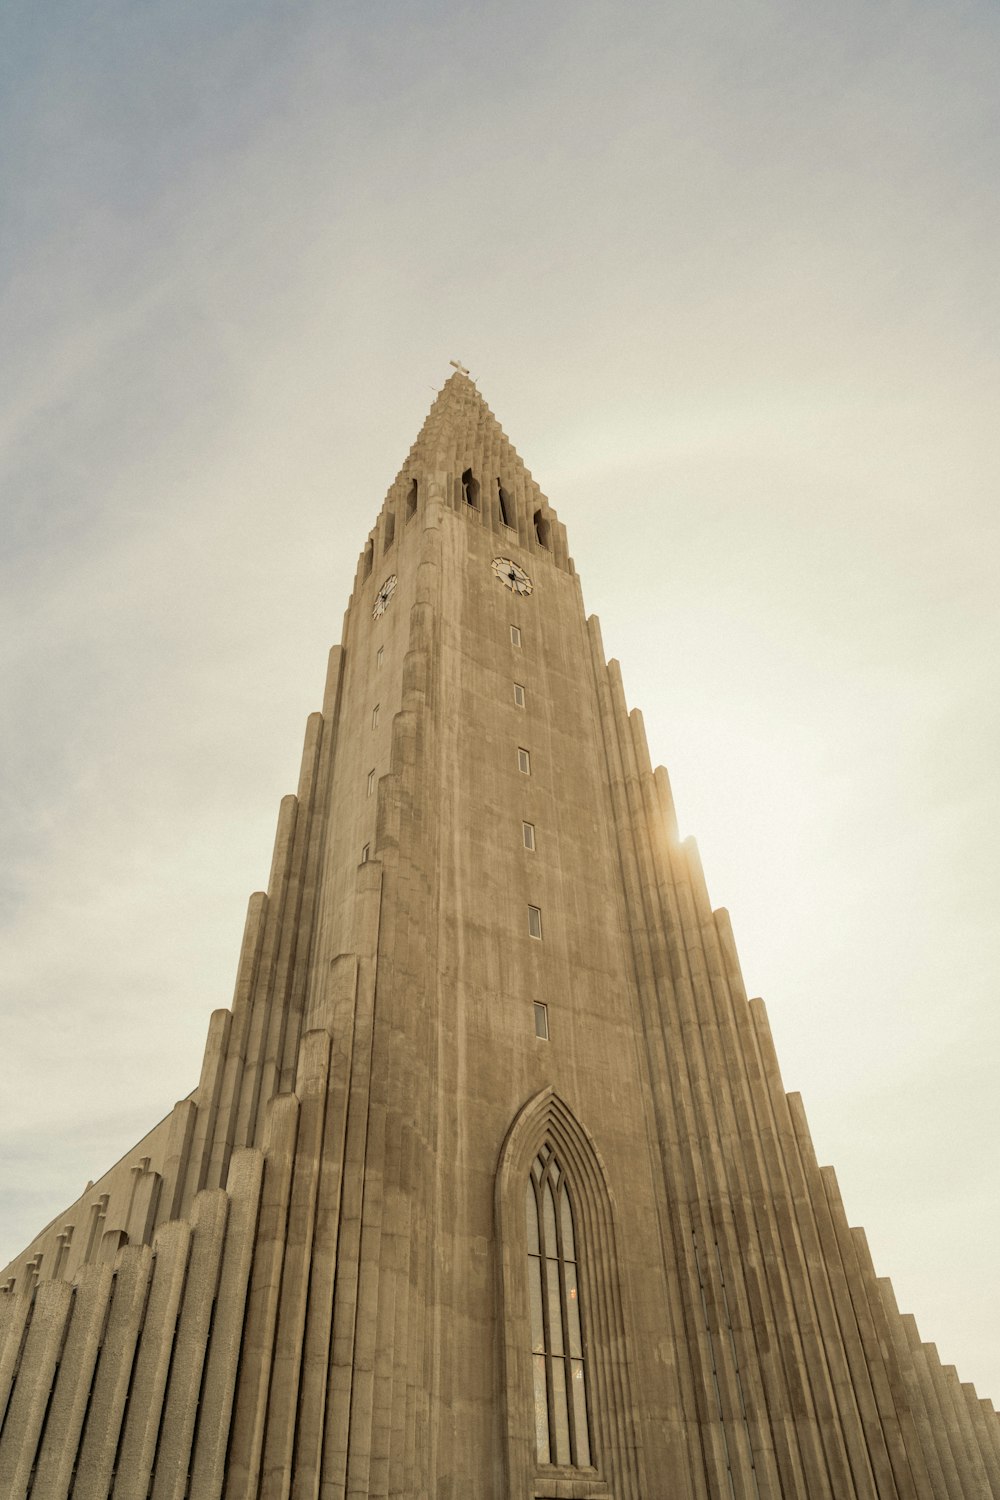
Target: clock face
(383, 596)
(511, 576)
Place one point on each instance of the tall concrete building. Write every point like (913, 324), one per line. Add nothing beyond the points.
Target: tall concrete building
(489, 1188)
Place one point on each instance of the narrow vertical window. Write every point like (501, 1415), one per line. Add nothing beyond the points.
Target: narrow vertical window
(470, 489)
(375, 716)
(541, 1021)
(519, 695)
(369, 558)
(390, 529)
(562, 1427)
(411, 501)
(371, 782)
(528, 834)
(379, 656)
(515, 636)
(506, 509)
(534, 922)
(541, 529)
(365, 851)
(524, 762)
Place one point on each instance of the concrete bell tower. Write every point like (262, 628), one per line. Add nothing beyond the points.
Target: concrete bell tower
(489, 1186)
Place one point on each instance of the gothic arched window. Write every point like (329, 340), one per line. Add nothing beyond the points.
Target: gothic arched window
(562, 1429)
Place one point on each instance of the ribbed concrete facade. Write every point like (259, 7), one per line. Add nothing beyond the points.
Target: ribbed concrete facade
(399, 1241)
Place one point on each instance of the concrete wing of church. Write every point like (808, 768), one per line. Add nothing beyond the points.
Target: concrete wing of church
(489, 1188)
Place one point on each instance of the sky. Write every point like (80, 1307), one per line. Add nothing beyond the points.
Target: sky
(727, 274)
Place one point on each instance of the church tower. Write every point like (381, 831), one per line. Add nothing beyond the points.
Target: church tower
(489, 1186)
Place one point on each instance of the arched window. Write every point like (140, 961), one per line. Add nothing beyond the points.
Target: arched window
(470, 489)
(541, 529)
(562, 1428)
(569, 1395)
(506, 509)
(411, 501)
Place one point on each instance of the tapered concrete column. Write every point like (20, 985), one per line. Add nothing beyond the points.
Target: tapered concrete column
(114, 1372)
(57, 1457)
(26, 1412)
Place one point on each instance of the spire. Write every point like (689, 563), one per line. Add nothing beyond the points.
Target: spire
(463, 455)
(458, 423)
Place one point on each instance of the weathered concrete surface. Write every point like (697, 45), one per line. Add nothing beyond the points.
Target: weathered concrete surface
(313, 1279)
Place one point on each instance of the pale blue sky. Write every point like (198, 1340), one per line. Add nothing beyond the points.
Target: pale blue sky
(727, 276)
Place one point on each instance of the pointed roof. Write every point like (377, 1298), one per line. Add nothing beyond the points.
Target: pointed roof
(458, 422)
(460, 432)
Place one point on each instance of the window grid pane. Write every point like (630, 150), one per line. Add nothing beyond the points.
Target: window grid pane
(519, 695)
(535, 1290)
(560, 1412)
(541, 1410)
(534, 922)
(555, 1307)
(573, 1313)
(550, 1247)
(581, 1430)
(541, 1024)
(531, 1214)
(566, 1216)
